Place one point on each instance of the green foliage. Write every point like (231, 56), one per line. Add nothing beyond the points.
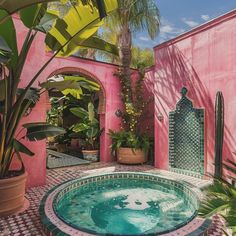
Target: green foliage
(64, 30)
(88, 128)
(220, 199)
(134, 103)
(129, 139)
(71, 85)
(142, 58)
(15, 102)
(54, 115)
(41, 130)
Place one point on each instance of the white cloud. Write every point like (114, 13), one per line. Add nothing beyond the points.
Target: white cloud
(205, 17)
(144, 38)
(190, 23)
(168, 31)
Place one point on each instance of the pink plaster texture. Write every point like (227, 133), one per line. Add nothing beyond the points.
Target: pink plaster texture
(204, 61)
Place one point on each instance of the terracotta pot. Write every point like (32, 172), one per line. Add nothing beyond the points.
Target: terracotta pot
(12, 192)
(90, 155)
(131, 156)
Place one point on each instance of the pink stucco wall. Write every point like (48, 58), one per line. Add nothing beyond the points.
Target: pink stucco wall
(102, 72)
(204, 61)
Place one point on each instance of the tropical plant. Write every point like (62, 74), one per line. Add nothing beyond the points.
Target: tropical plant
(88, 128)
(221, 199)
(130, 140)
(219, 133)
(133, 16)
(63, 37)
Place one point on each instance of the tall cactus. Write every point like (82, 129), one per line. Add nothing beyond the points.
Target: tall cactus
(219, 133)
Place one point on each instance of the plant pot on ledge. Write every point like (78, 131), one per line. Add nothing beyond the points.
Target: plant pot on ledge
(90, 155)
(131, 156)
(12, 191)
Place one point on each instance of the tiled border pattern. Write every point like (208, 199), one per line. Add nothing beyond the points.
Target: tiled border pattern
(28, 223)
(57, 226)
(195, 161)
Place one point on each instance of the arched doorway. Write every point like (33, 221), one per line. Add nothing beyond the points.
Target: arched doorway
(100, 96)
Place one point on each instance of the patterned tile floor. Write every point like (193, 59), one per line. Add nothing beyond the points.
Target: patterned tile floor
(28, 222)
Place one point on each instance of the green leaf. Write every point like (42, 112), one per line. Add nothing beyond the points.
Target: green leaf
(12, 6)
(32, 15)
(84, 82)
(65, 30)
(8, 34)
(79, 112)
(60, 85)
(99, 44)
(92, 132)
(71, 85)
(32, 95)
(20, 147)
(91, 113)
(80, 127)
(41, 130)
(76, 93)
(5, 51)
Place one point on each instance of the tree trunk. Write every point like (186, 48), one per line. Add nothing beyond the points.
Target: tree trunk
(124, 46)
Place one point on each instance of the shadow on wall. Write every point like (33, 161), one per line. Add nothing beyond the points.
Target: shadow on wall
(172, 72)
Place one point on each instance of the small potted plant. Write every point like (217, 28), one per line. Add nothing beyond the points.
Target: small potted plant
(88, 131)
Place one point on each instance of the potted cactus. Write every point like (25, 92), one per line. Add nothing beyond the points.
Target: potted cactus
(88, 130)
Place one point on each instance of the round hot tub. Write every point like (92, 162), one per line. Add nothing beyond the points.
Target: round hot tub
(119, 204)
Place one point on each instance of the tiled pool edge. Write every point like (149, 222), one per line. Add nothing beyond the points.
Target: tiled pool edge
(51, 229)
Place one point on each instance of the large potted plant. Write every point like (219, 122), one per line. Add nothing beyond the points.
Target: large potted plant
(15, 101)
(131, 143)
(88, 130)
(130, 148)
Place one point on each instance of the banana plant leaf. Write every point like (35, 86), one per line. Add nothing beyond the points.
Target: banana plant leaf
(20, 147)
(60, 85)
(8, 34)
(32, 95)
(31, 16)
(84, 82)
(12, 6)
(41, 130)
(5, 51)
(97, 43)
(64, 30)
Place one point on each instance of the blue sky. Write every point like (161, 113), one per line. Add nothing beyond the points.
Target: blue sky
(179, 16)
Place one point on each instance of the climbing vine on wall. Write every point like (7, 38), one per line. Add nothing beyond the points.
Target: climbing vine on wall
(134, 101)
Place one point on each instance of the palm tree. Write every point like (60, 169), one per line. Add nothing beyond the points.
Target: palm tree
(131, 17)
(221, 199)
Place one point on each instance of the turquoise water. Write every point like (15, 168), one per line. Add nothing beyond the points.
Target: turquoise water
(125, 207)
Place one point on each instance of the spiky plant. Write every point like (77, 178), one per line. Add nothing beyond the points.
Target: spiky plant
(219, 133)
(221, 199)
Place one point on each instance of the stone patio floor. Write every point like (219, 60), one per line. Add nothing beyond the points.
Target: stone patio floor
(28, 223)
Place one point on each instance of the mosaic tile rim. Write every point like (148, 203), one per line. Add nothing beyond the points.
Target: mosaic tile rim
(56, 226)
